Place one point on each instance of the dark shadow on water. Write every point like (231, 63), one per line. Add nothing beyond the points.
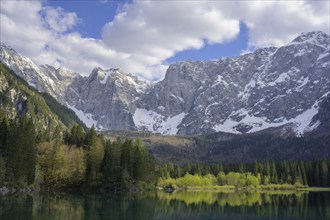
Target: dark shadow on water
(162, 205)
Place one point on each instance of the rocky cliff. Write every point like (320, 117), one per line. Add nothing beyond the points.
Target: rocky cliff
(272, 87)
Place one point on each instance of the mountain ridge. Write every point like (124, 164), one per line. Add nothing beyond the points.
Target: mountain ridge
(18, 99)
(271, 87)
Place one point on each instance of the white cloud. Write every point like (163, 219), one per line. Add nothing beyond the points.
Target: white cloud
(279, 22)
(21, 26)
(43, 34)
(144, 34)
(58, 20)
(154, 31)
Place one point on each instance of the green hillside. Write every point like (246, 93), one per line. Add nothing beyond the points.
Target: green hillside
(17, 98)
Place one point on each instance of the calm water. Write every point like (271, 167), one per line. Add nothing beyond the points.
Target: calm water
(161, 205)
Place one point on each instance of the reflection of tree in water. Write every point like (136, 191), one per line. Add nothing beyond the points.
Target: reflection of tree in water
(263, 204)
(16, 207)
(161, 205)
(57, 206)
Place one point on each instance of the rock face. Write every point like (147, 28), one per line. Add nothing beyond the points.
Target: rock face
(44, 78)
(271, 87)
(268, 88)
(107, 97)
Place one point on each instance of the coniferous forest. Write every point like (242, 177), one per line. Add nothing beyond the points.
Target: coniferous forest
(75, 158)
(70, 158)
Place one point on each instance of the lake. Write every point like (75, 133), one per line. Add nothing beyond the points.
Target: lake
(162, 205)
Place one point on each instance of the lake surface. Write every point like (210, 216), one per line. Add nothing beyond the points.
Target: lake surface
(161, 205)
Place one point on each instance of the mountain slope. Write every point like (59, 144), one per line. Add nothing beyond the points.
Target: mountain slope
(270, 88)
(44, 78)
(106, 98)
(17, 98)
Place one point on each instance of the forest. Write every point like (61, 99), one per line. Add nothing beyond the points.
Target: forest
(269, 175)
(73, 158)
(79, 158)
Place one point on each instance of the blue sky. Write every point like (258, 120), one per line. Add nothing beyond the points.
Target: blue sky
(144, 37)
(215, 51)
(94, 14)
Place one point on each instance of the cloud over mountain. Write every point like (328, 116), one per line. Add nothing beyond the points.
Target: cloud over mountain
(143, 34)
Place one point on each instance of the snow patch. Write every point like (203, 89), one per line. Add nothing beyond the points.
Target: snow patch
(161, 108)
(302, 122)
(303, 83)
(32, 84)
(244, 94)
(154, 122)
(206, 112)
(140, 87)
(321, 56)
(281, 78)
(177, 97)
(71, 89)
(87, 118)
(301, 52)
(314, 39)
(220, 80)
(106, 76)
(284, 76)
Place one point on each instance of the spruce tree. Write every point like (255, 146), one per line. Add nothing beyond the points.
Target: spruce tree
(30, 144)
(15, 166)
(95, 154)
(90, 137)
(274, 177)
(107, 168)
(77, 135)
(3, 134)
(126, 160)
(324, 171)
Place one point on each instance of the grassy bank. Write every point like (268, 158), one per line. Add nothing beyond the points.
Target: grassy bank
(231, 181)
(230, 188)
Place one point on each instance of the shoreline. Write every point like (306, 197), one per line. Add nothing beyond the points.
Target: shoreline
(246, 189)
(226, 189)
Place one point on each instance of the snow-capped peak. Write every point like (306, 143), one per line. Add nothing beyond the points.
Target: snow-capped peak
(271, 87)
(314, 37)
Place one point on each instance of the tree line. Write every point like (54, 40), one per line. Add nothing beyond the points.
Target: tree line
(312, 173)
(70, 158)
(85, 158)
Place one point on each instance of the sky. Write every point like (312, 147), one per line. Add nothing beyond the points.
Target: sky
(145, 37)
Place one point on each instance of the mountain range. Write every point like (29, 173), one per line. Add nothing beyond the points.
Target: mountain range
(278, 89)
